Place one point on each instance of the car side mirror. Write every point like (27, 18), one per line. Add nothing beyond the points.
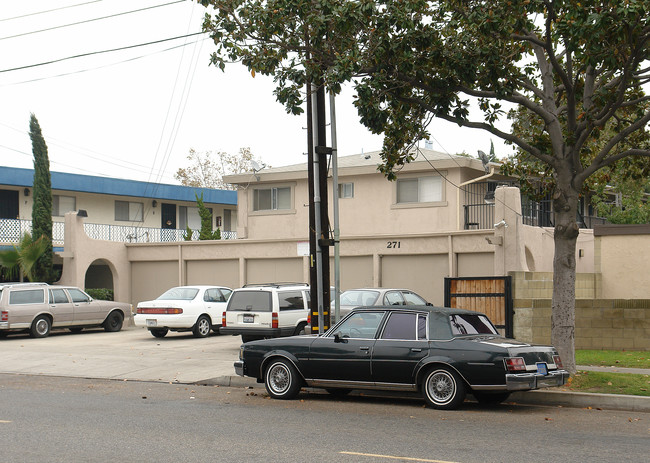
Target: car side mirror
(338, 337)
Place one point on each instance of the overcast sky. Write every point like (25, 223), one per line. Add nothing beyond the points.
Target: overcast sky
(136, 113)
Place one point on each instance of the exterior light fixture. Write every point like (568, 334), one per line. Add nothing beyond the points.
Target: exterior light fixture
(82, 213)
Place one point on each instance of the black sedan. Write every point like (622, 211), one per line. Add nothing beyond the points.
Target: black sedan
(443, 353)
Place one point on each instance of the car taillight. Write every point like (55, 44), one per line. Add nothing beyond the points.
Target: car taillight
(274, 320)
(159, 311)
(309, 318)
(515, 363)
(223, 319)
(4, 316)
(558, 361)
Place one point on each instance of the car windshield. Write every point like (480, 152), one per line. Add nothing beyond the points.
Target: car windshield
(359, 297)
(468, 324)
(179, 294)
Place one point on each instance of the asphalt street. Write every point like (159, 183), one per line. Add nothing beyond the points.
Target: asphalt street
(56, 419)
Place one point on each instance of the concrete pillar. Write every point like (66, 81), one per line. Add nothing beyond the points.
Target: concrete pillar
(510, 250)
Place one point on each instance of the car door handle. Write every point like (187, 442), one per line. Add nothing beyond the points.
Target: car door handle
(416, 350)
(364, 348)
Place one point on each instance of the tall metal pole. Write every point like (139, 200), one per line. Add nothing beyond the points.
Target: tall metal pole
(317, 207)
(335, 199)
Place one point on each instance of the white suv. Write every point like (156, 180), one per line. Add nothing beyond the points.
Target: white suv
(267, 311)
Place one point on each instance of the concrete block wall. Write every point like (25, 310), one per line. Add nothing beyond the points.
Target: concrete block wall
(600, 323)
(539, 285)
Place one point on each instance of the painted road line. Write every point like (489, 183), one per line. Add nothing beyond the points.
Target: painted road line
(392, 457)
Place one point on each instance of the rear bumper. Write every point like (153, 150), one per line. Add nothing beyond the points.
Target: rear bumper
(528, 381)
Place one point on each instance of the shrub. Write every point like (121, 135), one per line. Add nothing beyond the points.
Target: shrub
(102, 294)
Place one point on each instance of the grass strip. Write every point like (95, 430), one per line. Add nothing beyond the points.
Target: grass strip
(613, 358)
(609, 383)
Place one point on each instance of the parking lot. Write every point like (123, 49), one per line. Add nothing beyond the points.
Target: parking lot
(131, 354)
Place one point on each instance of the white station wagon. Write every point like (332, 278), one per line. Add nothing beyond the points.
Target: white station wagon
(197, 308)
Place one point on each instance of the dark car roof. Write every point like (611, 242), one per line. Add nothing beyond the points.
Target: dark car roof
(418, 308)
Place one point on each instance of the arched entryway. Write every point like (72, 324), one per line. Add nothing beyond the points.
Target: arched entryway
(99, 275)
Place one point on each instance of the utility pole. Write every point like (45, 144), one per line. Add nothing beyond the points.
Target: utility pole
(319, 241)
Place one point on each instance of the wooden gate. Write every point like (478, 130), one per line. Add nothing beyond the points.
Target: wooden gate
(490, 295)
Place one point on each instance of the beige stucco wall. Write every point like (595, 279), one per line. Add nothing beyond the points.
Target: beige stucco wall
(538, 240)
(373, 208)
(623, 261)
(418, 262)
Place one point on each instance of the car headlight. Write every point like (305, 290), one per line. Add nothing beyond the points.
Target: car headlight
(241, 352)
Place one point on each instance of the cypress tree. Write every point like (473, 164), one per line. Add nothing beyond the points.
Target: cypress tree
(42, 208)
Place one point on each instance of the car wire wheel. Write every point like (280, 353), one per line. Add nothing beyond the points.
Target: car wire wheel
(281, 380)
(443, 389)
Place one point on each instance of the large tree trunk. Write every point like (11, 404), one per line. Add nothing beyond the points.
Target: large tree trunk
(565, 205)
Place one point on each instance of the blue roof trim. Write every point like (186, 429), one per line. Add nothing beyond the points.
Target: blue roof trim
(116, 186)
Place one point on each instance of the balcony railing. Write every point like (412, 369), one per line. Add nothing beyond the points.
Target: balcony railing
(479, 215)
(11, 230)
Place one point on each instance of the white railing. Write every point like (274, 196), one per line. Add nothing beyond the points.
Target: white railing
(11, 231)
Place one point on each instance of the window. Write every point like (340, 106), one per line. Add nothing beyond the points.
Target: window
(63, 204)
(419, 190)
(30, 296)
(127, 211)
(401, 326)
(471, 324)
(346, 190)
(58, 296)
(271, 199)
(362, 325)
(244, 301)
(179, 294)
(188, 216)
(393, 298)
(291, 300)
(78, 295)
(413, 299)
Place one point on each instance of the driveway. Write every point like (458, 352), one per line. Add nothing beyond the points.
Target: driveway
(131, 354)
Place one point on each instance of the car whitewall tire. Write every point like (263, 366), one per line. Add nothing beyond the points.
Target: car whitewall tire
(443, 388)
(282, 380)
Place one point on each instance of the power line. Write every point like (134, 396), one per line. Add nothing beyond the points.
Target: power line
(82, 55)
(88, 20)
(135, 58)
(49, 11)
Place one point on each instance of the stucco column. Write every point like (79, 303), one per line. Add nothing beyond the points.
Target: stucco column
(510, 251)
(73, 231)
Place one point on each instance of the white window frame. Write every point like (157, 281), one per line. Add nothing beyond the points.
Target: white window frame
(346, 190)
(135, 211)
(56, 205)
(274, 200)
(438, 190)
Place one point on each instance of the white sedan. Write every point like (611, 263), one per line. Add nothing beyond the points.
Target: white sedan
(197, 308)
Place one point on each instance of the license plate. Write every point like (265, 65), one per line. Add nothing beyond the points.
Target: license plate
(152, 323)
(249, 318)
(542, 369)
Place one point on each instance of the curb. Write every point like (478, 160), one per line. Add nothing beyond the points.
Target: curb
(540, 397)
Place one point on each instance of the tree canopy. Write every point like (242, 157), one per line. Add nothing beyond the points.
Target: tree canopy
(207, 169)
(42, 207)
(573, 67)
